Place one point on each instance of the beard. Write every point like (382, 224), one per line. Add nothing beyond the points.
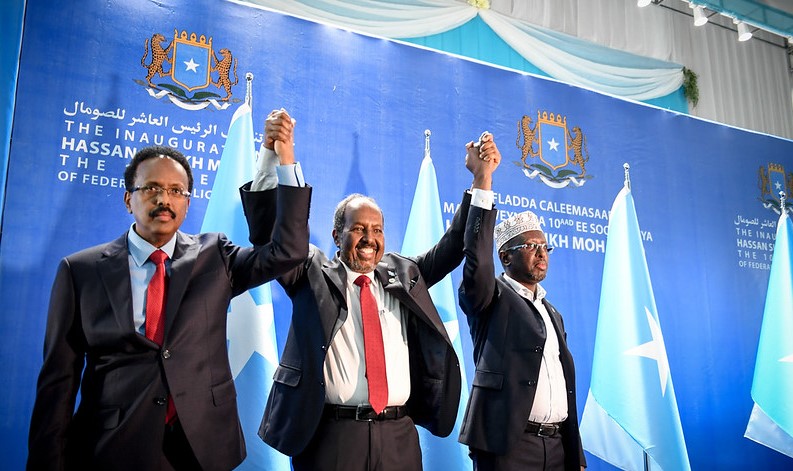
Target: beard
(359, 266)
(535, 276)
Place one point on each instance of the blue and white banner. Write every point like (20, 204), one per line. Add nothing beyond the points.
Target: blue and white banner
(99, 80)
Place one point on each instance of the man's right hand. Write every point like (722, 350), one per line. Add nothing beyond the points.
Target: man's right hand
(482, 159)
(279, 135)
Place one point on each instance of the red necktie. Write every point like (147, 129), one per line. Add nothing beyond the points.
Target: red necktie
(155, 314)
(373, 347)
(155, 299)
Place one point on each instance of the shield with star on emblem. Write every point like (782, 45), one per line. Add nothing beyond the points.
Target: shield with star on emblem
(776, 176)
(191, 60)
(552, 137)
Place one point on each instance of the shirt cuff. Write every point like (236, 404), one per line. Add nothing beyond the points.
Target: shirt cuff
(290, 175)
(482, 198)
(266, 162)
(269, 174)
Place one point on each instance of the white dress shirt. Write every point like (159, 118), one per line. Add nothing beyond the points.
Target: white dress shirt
(550, 400)
(345, 363)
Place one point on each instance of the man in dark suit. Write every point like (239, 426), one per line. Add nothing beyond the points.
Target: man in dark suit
(157, 395)
(521, 413)
(325, 409)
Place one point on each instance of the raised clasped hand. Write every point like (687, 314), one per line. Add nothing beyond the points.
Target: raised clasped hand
(279, 135)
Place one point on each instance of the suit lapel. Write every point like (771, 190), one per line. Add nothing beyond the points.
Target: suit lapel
(394, 284)
(336, 278)
(184, 258)
(533, 318)
(555, 316)
(113, 267)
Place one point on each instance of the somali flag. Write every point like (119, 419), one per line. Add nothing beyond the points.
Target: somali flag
(253, 352)
(424, 230)
(631, 413)
(771, 421)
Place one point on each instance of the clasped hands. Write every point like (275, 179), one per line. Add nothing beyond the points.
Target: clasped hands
(279, 136)
(481, 159)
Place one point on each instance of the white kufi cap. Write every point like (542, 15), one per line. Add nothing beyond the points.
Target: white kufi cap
(514, 225)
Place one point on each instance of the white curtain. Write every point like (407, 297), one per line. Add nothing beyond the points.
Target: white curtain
(741, 84)
(390, 19)
(572, 60)
(563, 57)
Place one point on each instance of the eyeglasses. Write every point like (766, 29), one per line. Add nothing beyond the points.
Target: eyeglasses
(150, 191)
(532, 246)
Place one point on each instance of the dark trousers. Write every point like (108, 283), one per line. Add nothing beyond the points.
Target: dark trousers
(351, 445)
(531, 453)
(176, 450)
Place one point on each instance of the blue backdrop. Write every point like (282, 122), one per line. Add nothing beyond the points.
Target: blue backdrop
(703, 192)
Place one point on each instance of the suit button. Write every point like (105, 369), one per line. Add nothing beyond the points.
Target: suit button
(322, 383)
(159, 401)
(538, 349)
(532, 383)
(323, 348)
(166, 354)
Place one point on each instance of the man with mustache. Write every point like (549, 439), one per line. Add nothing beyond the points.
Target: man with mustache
(521, 413)
(137, 326)
(341, 399)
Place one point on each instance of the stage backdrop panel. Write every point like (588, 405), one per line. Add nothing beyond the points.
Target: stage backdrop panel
(704, 193)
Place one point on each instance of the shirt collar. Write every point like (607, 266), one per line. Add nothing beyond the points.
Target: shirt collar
(537, 296)
(140, 249)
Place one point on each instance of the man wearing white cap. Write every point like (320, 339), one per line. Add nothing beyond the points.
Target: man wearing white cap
(521, 414)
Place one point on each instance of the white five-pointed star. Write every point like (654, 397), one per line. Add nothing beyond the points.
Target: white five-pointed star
(654, 350)
(249, 326)
(553, 145)
(191, 65)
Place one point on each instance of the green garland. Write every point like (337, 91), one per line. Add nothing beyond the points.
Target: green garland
(690, 88)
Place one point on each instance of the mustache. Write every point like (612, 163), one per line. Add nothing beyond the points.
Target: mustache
(161, 209)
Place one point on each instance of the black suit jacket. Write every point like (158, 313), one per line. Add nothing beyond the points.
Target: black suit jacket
(125, 377)
(317, 290)
(508, 338)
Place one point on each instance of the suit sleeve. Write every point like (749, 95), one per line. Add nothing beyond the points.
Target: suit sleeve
(447, 254)
(260, 213)
(478, 287)
(59, 379)
(278, 228)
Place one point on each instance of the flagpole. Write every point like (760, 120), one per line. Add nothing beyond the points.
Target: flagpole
(627, 185)
(782, 201)
(249, 89)
(427, 135)
(627, 175)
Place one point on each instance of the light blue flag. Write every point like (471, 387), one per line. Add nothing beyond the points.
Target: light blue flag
(425, 229)
(253, 353)
(631, 418)
(771, 422)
